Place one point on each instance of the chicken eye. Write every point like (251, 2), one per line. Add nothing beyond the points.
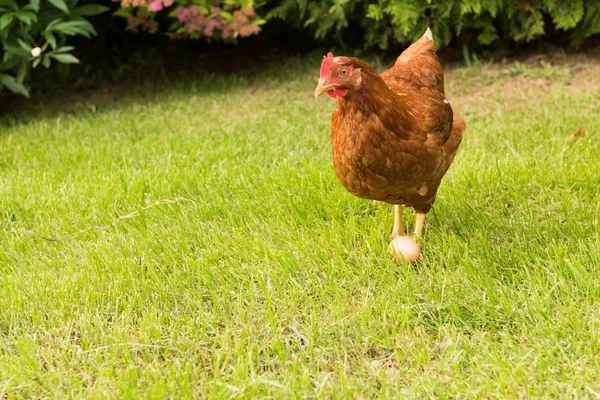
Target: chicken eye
(344, 72)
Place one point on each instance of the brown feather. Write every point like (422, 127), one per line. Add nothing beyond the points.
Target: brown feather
(395, 136)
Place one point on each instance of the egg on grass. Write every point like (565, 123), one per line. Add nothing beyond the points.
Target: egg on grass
(405, 247)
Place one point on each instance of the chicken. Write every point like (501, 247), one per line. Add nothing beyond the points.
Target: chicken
(394, 135)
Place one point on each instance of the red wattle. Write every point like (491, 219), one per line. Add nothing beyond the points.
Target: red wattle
(337, 93)
(341, 92)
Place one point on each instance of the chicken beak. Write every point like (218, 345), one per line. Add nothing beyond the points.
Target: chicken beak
(322, 87)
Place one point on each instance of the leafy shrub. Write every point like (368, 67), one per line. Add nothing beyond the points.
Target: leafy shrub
(225, 20)
(35, 32)
(382, 22)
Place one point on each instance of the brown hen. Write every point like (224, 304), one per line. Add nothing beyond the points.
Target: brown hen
(394, 135)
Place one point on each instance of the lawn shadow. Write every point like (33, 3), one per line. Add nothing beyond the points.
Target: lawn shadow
(219, 72)
(227, 71)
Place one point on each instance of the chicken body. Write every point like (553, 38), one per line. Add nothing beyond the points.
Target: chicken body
(395, 135)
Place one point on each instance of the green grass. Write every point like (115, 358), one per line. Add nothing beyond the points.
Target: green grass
(265, 277)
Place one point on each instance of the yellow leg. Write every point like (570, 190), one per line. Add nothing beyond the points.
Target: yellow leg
(398, 229)
(419, 224)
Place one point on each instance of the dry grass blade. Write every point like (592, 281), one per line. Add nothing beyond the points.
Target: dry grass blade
(134, 214)
(580, 132)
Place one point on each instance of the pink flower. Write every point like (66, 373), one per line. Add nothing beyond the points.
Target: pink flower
(248, 30)
(240, 18)
(191, 18)
(132, 23)
(155, 6)
(210, 26)
(194, 25)
(248, 12)
(167, 3)
(227, 33)
(137, 21)
(151, 26)
(181, 14)
(131, 3)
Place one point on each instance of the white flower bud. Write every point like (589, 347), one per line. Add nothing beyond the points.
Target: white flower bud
(36, 51)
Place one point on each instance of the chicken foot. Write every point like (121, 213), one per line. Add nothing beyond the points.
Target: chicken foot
(419, 224)
(398, 229)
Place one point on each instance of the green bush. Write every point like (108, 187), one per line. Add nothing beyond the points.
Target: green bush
(380, 23)
(35, 32)
(374, 23)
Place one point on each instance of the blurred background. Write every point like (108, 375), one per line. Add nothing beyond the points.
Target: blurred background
(53, 45)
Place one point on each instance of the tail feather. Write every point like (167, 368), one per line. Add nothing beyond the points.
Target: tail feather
(428, 34)
(422, 54)
(422, 46)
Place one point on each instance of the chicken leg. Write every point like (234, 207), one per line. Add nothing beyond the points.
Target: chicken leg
(398, 229)
(419, 224)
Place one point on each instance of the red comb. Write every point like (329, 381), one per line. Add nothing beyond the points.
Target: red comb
(327, 64)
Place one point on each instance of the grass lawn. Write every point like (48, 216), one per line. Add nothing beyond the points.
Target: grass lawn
(246, 270)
